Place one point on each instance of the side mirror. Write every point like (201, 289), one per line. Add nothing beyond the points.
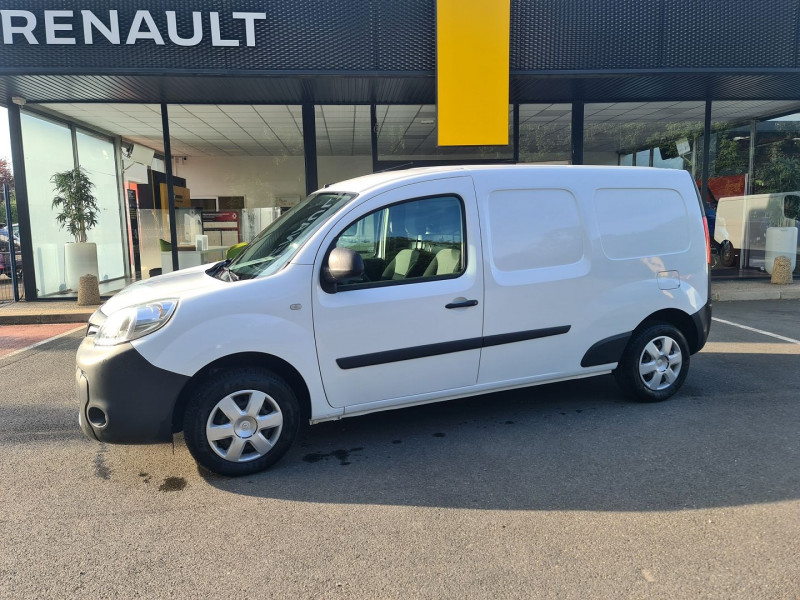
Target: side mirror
(343, 266)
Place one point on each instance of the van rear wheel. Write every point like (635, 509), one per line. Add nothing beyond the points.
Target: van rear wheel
(654, 364)
(241, 421)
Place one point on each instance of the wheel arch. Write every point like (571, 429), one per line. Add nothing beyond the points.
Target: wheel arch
(679, 319)
(245, 359)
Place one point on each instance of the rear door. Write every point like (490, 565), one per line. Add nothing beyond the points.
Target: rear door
(413, 326)
(537, 296)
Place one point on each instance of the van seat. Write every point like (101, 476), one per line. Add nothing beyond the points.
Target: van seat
(401, 265)
(446, 262)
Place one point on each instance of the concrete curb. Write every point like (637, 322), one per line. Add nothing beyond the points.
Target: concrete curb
(44, 319)
(767, 292)
(44, 313)
(746, 295)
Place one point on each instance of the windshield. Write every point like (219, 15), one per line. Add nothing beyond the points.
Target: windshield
(274, 246)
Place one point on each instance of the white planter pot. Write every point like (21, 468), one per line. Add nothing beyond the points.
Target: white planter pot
(781, 241)
(79, 260)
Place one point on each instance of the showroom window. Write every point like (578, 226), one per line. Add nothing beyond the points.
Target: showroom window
(545, 132)
(51, 147)
(344, 142)
(754, 186)
(241, 166)
(644, 134)
(408, 135)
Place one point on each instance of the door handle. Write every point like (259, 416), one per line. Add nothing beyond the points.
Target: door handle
(462, 304)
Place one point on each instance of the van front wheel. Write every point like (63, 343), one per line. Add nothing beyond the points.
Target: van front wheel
(654, 364)
(241, 421)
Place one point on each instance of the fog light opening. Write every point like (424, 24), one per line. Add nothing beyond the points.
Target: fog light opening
(96, 417)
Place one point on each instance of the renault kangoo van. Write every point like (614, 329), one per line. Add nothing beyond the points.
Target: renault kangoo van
(402, 288)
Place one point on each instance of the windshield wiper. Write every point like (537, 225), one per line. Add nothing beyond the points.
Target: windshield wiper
(222, 271)
(248, 270)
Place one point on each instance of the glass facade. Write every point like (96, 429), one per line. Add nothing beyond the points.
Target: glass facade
(52, 147)
(545, 133)
(729, 181)
(236, 168)
(239, 167)
(407, 134)
(48, 150)
(99, 158)
(344, 142)
(644, 134)
(754, 188)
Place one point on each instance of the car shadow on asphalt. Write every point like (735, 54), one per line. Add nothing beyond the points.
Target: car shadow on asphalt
(576, 445)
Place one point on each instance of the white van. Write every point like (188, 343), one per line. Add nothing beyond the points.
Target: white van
(403, 288)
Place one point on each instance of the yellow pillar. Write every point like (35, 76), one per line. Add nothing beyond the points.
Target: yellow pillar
(472, 58)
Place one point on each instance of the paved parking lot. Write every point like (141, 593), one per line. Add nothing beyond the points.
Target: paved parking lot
(560, 491)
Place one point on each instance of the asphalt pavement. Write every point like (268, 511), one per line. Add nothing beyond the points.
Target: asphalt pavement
(559, 491)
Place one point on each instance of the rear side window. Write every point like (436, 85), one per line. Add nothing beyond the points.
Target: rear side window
(641, 222)
(534, 229)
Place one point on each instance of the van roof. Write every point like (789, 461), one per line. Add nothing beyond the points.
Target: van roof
(367, 182)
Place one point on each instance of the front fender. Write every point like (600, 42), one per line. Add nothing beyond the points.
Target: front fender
(265, 316)
(188, 350)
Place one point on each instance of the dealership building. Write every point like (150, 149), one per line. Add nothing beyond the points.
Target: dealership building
(212, 118)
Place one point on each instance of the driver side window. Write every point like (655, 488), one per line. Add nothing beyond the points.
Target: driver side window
(411, 241)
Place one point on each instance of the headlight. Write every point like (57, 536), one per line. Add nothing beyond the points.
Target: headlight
(134, 322)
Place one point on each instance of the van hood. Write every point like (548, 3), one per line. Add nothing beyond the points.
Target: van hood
(177, 284)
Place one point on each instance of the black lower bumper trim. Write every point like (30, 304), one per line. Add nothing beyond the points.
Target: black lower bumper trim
(702, 322)
(136, 398)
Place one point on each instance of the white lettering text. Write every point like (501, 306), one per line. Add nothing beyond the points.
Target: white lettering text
(216, 40)
(111, 33)
(50, 26)
(136, 33)
(9, 30)
(197, 29)
(249, 24)
(59, 27)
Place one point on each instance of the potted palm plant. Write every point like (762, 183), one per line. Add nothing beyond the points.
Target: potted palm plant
(78, 212)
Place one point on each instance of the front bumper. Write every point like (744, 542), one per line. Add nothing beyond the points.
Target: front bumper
(123, 398)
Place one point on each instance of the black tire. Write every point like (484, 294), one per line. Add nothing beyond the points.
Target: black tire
(727, 254)
(662, 375)
(257, 436)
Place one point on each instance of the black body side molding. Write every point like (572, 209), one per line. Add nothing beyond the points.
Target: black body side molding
(380, 358)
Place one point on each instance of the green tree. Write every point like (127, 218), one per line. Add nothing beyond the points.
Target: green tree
(780, 174)
(6, 176)
(730, 159)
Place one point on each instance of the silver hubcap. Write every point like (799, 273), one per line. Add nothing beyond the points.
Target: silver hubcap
(244, 425)
(660, 363)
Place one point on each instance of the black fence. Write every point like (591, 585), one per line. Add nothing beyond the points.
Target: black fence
(11, 289)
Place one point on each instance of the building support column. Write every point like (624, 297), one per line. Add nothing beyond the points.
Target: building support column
(310, 147)
(173, 227)
(577, 133)
(751, 158)
(706, 152)
(373, 135)
(23, 206)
